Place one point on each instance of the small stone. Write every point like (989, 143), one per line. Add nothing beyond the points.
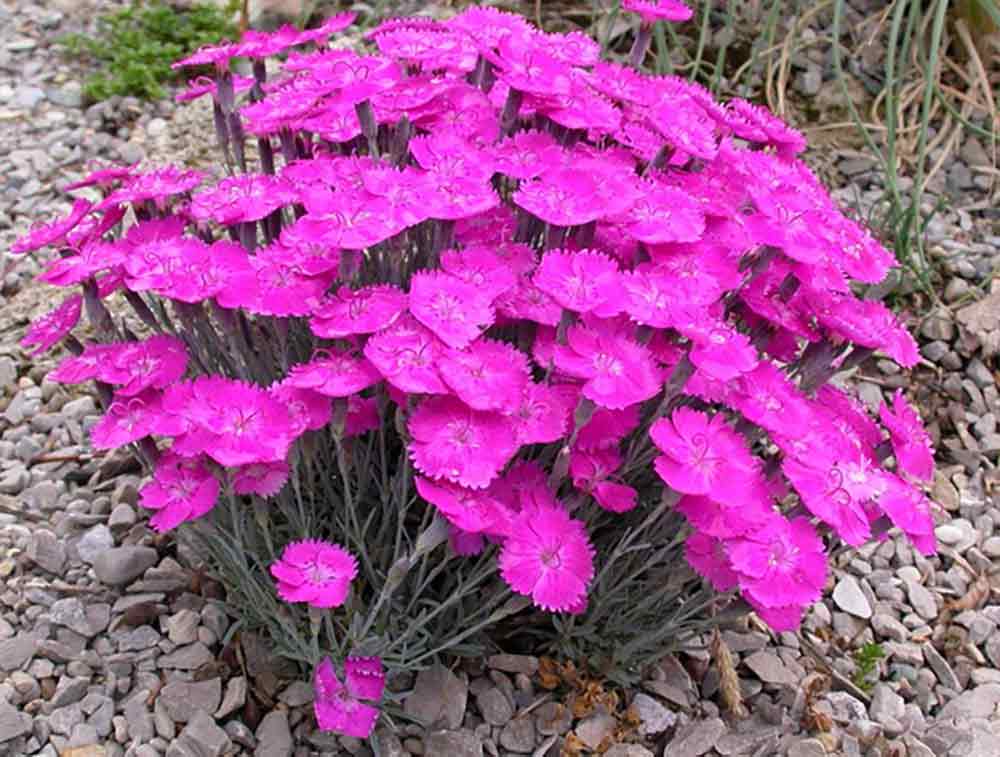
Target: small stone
(120, 565)
(87, 621)
(807, 748)
(64, 719)
(182, 626)
(297, 693)
(47, 551)
(653, 717)
(887, 627)
(595, 728)
(494, 706)
(921, 600)
(979, 373)
(514, 663)
(15, 652)
(628, 750)
(886, 705)
(181, 699)
(848, 596)
(810, 81)
(518, 735)
(78, 409)
(274, 738)
(948, 534)
(200, 738)
(941, 668)
(94, 543)
(13, 480)
(27, 97)
(69, 691)
(939, 325)
(980, 702)
(438, 697)
(955, 290)
(696, 739)
(769, 668)
(67, 96)
(13, 722)
(453, 743)
(236, 697)
(139, 718)
(122, 517)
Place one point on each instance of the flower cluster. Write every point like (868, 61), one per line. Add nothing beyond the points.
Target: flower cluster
(533, 268)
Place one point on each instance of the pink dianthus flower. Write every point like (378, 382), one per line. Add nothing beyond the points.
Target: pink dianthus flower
(315, 572)
(450, 440)
(911, 443)
(338, 706)
(548, 556)
(455, 311)
(182, 489)
(783, 563)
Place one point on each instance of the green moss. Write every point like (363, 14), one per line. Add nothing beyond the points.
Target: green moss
(134, 47)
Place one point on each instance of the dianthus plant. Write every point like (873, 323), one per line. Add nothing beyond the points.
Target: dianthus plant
(479, 339)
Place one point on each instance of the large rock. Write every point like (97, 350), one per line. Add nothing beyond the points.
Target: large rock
(120, 565)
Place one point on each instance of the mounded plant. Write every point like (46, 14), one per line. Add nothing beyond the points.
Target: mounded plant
(495, 344)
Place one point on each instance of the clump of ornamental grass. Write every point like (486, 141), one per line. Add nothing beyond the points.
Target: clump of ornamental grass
(499, 345)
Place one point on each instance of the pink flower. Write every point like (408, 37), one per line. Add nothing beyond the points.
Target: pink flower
(407, 355)
(662, 215)
(100, 177)
(910, 511)
(725, 521)
(360, 311)
(486, 375)
(452, 441)
(362, 416)
(707, 555)
(584, 281)
(182, 489)
(607, 428)
(548, 557)
(482, 267)
(76, 369)
(527, 154)
(542, 414)
(234, 423)
(652, 11)
(455, 311)
(527, 301)
(561, 199)
(129, 419)
(334, 374)
(615, 497)
(911, 443)
(156, 362)
(331, 25)
(338, 706)
(768, 398)
(703, 455)
(720, 350)
(618, 371)
(781, 564)
(51, 233)
(836, 493)
(263, 479)
(272, 285)
(472, 510)
(51, 328)
(308, 410)
(315, 572)
(158, 185)
(238, 199)
(209, 55)
(350, 222)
